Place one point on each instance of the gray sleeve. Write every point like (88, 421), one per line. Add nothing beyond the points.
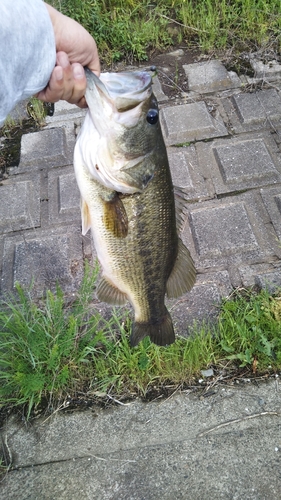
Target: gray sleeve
(27, 51)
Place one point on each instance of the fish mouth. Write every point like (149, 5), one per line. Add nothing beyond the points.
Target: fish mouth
(123, 91)
(94, 82)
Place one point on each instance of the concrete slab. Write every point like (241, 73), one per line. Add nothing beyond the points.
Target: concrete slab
(243, 162)
(190, 122)
(20, 203)
(44, 258)
(224, 444)
(51, 147)
(201, 304)
(256, 274)
(158, 91)
(254, 110)
(268, 71)
(186, 172)
(272, 200)
(228, 232)
(63, 196)
(210, 76)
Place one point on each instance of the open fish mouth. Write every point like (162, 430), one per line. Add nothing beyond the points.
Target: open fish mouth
(126, 90)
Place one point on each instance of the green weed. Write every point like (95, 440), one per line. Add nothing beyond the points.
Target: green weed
(42, 345)
(122, 29)
(52, 350)
(249, 330)
(128, 29)
(37, 111)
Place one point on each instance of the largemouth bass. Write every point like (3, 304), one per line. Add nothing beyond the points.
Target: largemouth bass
(127, 199)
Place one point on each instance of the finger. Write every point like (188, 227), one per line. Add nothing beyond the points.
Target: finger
(66, 87)
(79, 84)
(94, 65)
(67, 82)
(55, 88)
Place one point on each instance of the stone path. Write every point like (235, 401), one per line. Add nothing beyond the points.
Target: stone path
(223, 141)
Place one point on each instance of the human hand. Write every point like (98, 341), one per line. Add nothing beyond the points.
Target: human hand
(75, 49)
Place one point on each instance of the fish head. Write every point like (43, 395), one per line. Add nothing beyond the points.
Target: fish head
(121, 132)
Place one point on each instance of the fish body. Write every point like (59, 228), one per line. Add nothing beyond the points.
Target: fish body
(128, 201)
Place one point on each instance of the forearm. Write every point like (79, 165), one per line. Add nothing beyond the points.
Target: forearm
(83, 49)
(28, 51)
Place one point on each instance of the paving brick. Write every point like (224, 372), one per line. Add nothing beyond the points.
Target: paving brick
(186, 172)
(51, 147)
(230, 232)
(63, 196)
(210, 76)
(43, 258)
(270, 281)
(249, 273)
(20, 203)
(255, 110)
(222, 230)
(241, 163)
(190, 122)
(201, 304)
(66, 115)
(269, 71)
(272, 200)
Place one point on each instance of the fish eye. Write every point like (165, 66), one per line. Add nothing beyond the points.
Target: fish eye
(152, 116)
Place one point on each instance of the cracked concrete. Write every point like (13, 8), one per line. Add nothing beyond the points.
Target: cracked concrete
(225, 444)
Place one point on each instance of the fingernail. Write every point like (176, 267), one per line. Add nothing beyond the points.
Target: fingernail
(78, 71)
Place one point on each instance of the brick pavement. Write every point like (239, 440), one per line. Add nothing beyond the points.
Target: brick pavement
(223, 141)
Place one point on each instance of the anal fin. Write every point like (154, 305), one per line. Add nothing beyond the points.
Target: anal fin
(183, 275)
(107, 292)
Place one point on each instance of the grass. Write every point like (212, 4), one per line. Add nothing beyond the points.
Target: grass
(53, 351)
(130, 29)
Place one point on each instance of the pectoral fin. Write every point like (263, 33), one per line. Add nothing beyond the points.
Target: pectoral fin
(107, 292)
(182, 277)
(86, 218)
(115, 217)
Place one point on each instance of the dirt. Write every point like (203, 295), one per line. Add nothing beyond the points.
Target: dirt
(169, 67)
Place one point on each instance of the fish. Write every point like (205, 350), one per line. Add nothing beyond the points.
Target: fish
(129, 202)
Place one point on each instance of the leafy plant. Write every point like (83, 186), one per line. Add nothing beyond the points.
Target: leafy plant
(250, 329)
(128, 29)
(54, 349)
(42, 344)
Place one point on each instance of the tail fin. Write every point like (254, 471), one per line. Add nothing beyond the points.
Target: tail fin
(160, 333)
